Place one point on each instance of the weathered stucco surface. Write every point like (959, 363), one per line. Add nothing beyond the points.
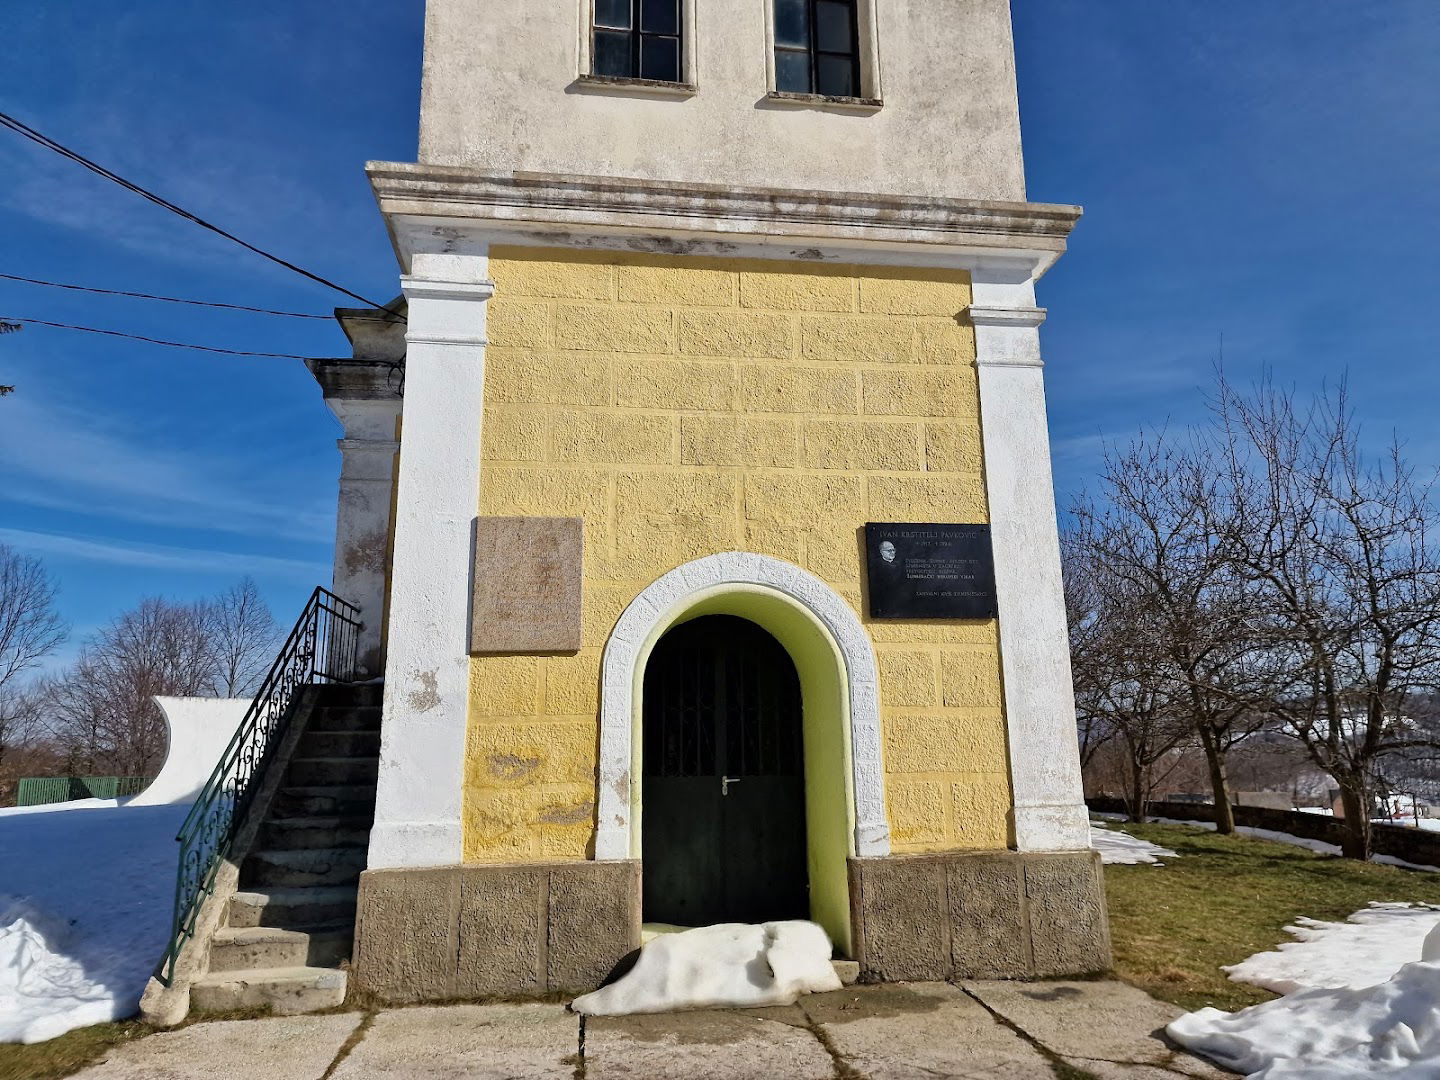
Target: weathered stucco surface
(502, 90)
(686, 406)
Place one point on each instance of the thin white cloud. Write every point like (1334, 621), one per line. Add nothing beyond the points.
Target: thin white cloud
(63, 457)
(160, 557)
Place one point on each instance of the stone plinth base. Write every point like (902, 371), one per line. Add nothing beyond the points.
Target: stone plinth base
(447, 932)
(979, 916)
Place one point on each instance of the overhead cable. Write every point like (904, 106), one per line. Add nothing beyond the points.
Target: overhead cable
(155, 341)
(23, 129)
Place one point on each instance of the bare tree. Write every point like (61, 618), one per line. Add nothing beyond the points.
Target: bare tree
(1341, 552)
(243, 639)
(1161, 535)
(30, 630)
(1125, 692)
(102, 711)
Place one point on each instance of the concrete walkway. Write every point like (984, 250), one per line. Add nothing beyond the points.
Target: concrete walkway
(994, 1030)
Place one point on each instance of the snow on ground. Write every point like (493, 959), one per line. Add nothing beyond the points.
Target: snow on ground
(732, 965)
(86, 891)
(1366, 949)
(1391, 1029)
(1119, 848)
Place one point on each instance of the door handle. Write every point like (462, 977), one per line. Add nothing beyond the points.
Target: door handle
(726, 781)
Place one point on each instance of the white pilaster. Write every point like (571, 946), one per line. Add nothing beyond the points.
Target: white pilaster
(362, 520)
(1049, 813)
(422, 752)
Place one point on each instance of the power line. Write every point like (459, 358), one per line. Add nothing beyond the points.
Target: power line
(390, 316)
(167, 299)
(157, 341)
(6, 120)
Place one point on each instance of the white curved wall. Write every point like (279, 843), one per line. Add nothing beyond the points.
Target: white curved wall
(200, 728)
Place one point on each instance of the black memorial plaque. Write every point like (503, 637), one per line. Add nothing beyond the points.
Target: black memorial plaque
(930, 571)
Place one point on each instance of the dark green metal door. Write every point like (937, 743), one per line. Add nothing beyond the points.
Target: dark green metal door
(723, 828)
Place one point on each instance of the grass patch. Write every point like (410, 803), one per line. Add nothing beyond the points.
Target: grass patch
(66, 1053)
(1172, 927)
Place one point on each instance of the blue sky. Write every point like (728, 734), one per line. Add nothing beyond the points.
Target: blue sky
(1269, 171)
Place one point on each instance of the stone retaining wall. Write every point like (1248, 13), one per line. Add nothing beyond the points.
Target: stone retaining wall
(1402, 842)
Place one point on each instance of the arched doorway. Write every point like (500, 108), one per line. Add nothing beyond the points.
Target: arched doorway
(819, 630)
(724, 836)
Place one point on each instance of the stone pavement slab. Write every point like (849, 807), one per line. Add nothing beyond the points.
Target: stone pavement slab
(1107, 1028)
(898, 1032)
(744, 1044)
(284, 1048)
(476, 1042)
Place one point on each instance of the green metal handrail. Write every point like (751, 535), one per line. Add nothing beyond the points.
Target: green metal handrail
(321, 648)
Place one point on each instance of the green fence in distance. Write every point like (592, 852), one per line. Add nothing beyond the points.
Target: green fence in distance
(37, 790)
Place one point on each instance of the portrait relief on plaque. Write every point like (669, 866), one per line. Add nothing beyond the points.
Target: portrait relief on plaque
(929, 571)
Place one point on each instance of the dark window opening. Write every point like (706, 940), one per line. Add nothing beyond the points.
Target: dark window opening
(817, 47)
(637, 39)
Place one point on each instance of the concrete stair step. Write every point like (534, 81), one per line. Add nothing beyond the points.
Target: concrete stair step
(324, 771)
(339, 744)
(345, 718)
(303, 867)
(286, 990)
(334, 694)
(292, 908)
(324, 800)
(250, 947)
(288, 834)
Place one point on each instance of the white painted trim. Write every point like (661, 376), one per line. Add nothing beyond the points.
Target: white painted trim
(663, 601)
(419, 798)
(1049, 807)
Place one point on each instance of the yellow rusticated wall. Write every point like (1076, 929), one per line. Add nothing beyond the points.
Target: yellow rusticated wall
(684, 406)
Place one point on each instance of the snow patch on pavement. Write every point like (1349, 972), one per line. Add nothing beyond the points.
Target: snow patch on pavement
(86, 890)
(732, 965)
(1119, 848)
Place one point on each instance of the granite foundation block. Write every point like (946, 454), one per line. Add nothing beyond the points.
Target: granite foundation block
(477, 931)
(992, 915)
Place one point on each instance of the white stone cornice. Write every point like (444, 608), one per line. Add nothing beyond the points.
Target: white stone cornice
(994, 316)
(416, 288)
(699, 219)
(387, 446)
(445, 339)
(445, 312)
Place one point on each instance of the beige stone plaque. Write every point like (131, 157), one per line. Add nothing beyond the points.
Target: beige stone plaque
(527, 594)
